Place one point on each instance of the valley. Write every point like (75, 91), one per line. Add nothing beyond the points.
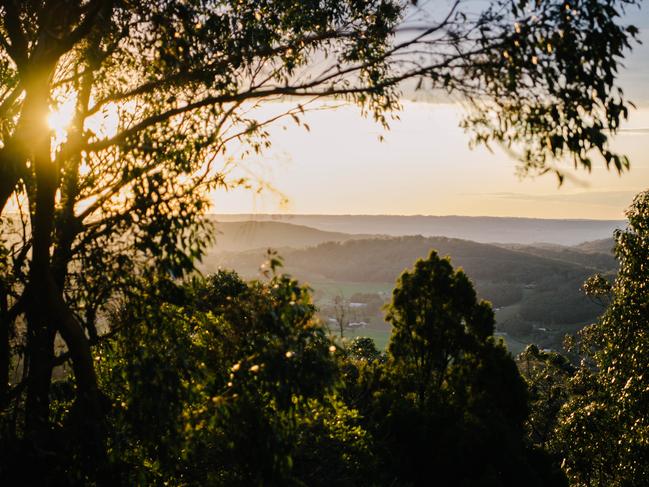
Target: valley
(534, 288)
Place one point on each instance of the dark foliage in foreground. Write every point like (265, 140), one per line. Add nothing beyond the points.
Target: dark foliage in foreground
(116, 196)
(221, 382)
(592, 418)
(448, 395)
(218, 381)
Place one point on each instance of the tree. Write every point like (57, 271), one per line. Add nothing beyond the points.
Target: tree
(435, 317)
(224, 382)
(364, 349)
(548, 376)
(341, 313)
(450, 403)
(603, 432)
(155, 91)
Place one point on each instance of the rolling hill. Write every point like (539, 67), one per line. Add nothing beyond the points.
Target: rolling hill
(597, 255)
(535, 289)
(478, 229)
(248, 235)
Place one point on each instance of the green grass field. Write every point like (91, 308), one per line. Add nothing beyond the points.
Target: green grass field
(326, 290)
(329, 289)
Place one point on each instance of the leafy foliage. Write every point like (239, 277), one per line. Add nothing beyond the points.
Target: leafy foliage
(228, 383)
(114, 197)
(448, 394)
(604, 431)
(562, 92)
(548, 376)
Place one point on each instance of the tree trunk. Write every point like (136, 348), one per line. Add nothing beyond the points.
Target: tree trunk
(88, 410)
(40, 327)
(40, 350)
(12, 168)
(88, 413)
(8, 178)
(5, 334)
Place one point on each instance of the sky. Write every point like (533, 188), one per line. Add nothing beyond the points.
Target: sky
(425, 166)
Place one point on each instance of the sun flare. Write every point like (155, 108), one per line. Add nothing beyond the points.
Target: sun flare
(101, 124)
(60, 118)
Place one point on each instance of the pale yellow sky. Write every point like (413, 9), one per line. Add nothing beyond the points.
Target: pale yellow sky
(424, 166)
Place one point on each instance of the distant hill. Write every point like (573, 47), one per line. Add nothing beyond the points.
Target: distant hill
(534, 288)
(583, 254)
(383, 259)
(247, 235)
(604, 245)
(478, 229)
(547, 290)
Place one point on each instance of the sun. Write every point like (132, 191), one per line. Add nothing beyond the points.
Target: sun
(104, 123)
(60, 118)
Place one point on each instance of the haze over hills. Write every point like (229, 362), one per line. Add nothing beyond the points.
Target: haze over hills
(382, 260)
(603, 245)
(534, 288)
(595, 254)
(248, 235)
(478, 229)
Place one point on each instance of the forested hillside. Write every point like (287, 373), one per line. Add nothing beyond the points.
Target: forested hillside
(596, 254)
(536, 290)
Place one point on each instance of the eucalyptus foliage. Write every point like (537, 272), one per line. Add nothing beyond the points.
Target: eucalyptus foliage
(604, 430)
(218, 381)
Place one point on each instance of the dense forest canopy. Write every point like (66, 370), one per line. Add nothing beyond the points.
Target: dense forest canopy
(103, 208)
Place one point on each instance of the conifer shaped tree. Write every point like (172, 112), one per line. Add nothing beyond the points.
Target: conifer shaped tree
(455, 402)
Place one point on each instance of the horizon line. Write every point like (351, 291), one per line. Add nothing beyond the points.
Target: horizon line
(412, 215)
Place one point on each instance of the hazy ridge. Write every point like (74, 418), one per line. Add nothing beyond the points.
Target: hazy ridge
(248, 235)
(478, 229)
(534, 288)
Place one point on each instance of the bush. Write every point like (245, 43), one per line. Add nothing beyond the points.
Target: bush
(222, 382)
